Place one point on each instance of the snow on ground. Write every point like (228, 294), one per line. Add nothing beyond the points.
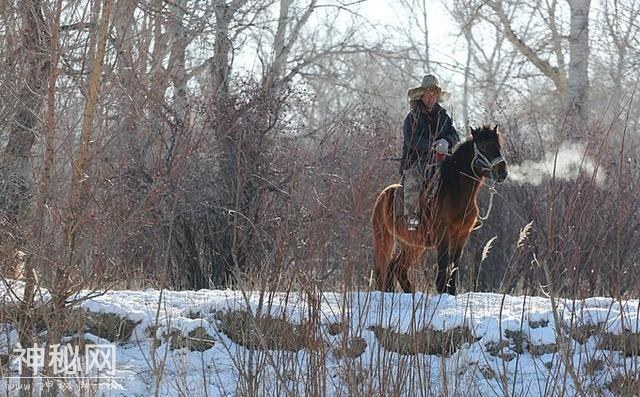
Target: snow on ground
(513, 348)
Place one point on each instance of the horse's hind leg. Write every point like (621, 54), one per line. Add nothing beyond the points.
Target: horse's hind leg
(385, 276)
(383, 247)
(383, 243)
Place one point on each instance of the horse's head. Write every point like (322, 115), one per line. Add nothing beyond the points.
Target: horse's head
(487, 159)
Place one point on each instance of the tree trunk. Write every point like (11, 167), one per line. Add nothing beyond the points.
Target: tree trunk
(15, 167)
(427, 61)
(81, 180)
(127, 137)
(578, 79)
(283, 44)
(221, 64)
(467, 77)
(177, 60)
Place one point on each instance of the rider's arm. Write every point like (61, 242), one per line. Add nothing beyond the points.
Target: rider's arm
(449, 132)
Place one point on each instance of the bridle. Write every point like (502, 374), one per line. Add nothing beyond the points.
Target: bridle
(483, 163)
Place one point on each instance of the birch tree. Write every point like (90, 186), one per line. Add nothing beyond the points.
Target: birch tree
(578, 76)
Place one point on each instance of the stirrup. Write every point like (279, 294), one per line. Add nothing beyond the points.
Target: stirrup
(412, 223)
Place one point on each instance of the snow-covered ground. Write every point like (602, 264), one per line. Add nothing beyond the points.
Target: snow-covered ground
(510, 344)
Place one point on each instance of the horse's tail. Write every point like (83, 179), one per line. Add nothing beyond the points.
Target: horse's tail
(382, 221)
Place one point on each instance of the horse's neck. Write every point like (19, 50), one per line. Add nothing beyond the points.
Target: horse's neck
(463, 175)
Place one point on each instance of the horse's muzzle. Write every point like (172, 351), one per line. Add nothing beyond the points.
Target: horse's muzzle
(500, 172)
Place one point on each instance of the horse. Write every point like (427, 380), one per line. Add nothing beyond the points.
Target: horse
(447, 214)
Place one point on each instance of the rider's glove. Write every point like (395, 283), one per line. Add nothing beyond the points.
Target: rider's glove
(441, 146)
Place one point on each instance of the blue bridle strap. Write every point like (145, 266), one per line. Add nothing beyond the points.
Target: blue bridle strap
(483, 162)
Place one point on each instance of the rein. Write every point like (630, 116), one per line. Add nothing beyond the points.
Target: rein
(492, 192)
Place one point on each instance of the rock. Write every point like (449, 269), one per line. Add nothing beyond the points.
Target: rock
(624, 385)
(264, 333)
(539, 350)
(627, 342)
(518, 340)
(352, 348)
(538, 324)
(583, 332)
(426, 341)
(337, 328)
(487, 373)
(197, 340)
(500, 349)
(109, 326)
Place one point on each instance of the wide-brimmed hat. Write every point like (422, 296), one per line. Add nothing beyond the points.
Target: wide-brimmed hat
(429, 83)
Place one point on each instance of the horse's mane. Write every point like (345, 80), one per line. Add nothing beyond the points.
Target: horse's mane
(453, 167)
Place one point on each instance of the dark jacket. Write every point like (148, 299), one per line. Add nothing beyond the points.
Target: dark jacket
(421, 129)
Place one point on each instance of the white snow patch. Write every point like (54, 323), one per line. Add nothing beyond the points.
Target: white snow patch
(221, 370)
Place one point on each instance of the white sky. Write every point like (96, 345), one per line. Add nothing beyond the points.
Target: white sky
(388, 13)
(441, 35)
(444, 46)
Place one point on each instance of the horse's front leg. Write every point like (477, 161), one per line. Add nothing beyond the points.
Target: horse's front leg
(442, 277)
(455, 252)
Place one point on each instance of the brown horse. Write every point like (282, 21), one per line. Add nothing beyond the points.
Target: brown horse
(447, 215)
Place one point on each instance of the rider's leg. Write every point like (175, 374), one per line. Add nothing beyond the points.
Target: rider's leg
(412, 188)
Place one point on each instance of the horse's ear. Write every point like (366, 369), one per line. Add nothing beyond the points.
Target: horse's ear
(495, 128)
(473, 131)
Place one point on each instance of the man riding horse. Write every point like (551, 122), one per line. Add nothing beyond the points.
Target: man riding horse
(429, 134)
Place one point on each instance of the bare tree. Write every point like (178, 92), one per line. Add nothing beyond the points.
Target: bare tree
(32, 77)
(489, 65)
(616, 52)
(570, 80)
(33, 73)
(415, 31)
